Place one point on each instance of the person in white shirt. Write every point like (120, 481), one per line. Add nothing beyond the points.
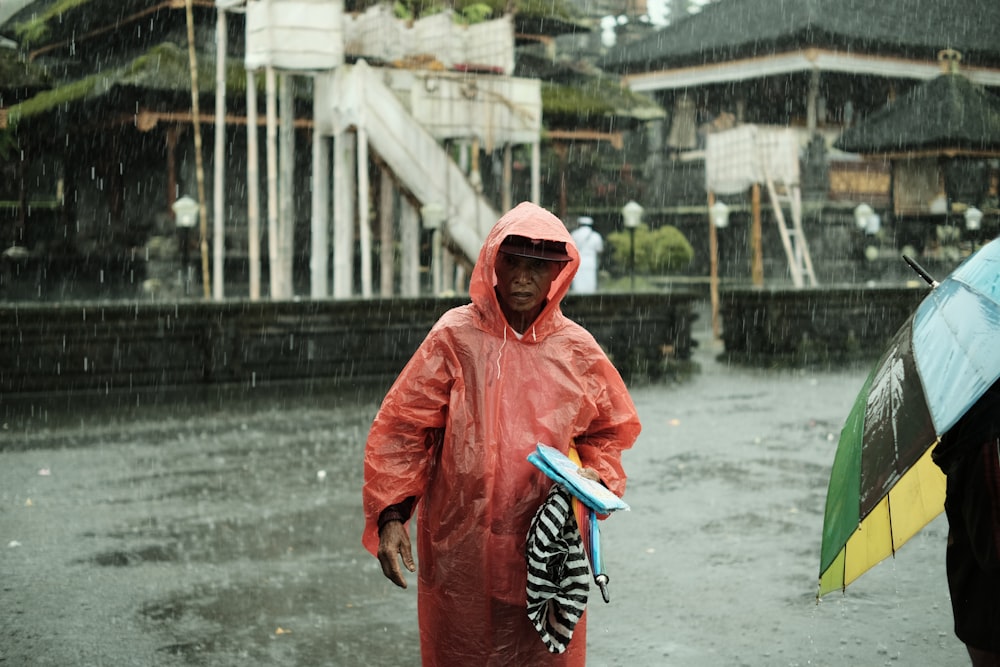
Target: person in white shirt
(591, 245)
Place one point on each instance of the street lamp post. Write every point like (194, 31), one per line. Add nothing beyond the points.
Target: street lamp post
(718, 214)
(185, 217)
(632, 217)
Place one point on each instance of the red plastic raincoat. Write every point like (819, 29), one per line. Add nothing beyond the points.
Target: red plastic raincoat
(455, 431)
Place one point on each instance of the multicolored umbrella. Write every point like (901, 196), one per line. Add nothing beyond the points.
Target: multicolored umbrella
(883, 486)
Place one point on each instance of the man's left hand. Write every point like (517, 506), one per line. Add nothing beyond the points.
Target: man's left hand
(393, 546)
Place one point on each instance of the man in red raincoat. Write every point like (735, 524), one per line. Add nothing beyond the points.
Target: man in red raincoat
(491, 380)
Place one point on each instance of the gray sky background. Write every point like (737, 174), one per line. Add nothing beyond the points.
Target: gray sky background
(9, 7)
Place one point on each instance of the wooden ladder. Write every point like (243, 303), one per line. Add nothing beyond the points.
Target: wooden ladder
(794, 239)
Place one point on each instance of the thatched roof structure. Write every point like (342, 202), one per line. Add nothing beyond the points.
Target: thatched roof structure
(753, 29)
(597, 101)
(45, 21)
(948, 116)
(588, 100)
(163, 70)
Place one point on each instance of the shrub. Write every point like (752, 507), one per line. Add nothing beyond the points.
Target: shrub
(660, 251)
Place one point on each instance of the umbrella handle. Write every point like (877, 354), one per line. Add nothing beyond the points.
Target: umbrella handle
(602, 583)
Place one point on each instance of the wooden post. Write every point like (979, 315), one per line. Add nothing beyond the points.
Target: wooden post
(343, 215)
(812, 103)
(409, 243)
(475, 176)
(173, 133)
(506, 194)
(253, 187)
(199, 164)
(386, 212)
(273, 259)
(219, 184)
(713, 268)
(319, 267)
(286, 179)
(536, 173)
(756, 245)
(364, 207)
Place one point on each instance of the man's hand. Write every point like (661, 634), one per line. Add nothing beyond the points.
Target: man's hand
(589, 473)
(393, 544)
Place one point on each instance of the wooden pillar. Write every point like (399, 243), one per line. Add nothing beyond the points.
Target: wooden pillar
(319, 236)
(286, 188)
(812, 102)
(364, 208)
(219, 180)
(436, 253)
(387, 238)
(21, 224)
(756, 244)
(475, 176)
(507, 195)
(253, 188)
(173, 134)
(536, 173)
(447, 273)
(343, 218)
(713, 270)
(273, 258)
(199, 162)
(409, 242)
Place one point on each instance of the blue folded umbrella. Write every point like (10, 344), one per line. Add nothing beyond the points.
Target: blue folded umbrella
(558, 467)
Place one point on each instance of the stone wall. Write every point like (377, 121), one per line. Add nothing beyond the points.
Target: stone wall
(813, 326)
(142, 348)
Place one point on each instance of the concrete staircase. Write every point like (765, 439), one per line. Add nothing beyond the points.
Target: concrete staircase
(357, 96)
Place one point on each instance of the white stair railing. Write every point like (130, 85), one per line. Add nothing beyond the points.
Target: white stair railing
(359, 97)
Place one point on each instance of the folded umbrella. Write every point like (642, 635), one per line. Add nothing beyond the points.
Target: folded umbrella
(596, 557)
(884, 487)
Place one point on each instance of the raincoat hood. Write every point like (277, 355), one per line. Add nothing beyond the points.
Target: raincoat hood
(534, 222)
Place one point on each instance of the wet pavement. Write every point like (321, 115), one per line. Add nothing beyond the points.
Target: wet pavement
(212, 534)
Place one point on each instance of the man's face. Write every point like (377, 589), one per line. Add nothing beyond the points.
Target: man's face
(523, 282)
